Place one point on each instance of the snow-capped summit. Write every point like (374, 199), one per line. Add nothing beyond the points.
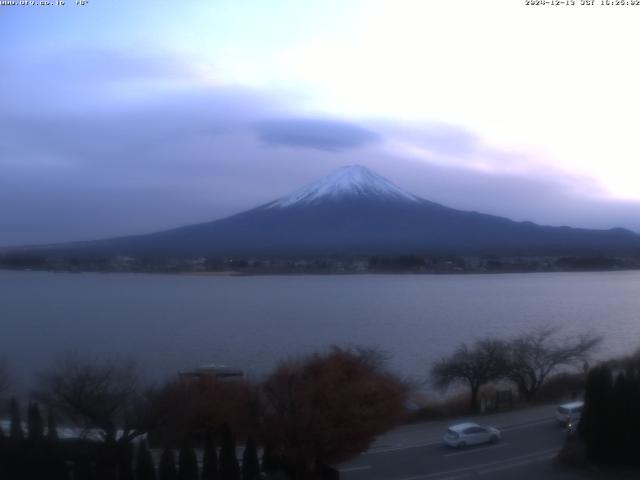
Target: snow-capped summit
(350, 181)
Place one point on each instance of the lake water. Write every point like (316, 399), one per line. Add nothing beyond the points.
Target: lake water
(175, 322)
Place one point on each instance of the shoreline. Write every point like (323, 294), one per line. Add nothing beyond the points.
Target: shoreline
(235, 273)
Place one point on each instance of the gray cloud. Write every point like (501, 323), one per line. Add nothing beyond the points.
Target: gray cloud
(319, 134)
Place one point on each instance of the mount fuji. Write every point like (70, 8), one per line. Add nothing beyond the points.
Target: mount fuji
(358, 212)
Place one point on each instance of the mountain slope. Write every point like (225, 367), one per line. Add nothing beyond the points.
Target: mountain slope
(355, 211)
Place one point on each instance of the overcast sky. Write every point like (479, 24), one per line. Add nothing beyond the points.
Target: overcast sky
(124, 117)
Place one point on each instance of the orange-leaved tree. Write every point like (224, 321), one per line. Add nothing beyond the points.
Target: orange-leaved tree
(327, 408)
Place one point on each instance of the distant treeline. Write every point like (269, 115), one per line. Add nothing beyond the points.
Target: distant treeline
(319, 265)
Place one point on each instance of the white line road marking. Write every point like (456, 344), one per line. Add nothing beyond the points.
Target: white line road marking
(458, 477)
(515, 464)
(503, 463)
(355, 469)
(528, 425)
(408, 447)
(476, 450)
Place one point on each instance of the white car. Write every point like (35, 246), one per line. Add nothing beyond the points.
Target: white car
(569, 413)
(464, 434)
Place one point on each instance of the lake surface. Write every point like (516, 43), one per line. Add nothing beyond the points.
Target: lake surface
(175, 322)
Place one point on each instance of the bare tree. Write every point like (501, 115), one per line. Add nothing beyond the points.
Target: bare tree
(327, 408)
(485, 361)
(102, 395)
(537, 354)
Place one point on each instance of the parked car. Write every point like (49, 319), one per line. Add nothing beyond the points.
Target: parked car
(569, 413)
(464, 434)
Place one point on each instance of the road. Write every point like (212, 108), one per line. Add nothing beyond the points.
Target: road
(530, 439)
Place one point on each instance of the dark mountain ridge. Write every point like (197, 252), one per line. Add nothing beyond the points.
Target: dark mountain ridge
(354, 211)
